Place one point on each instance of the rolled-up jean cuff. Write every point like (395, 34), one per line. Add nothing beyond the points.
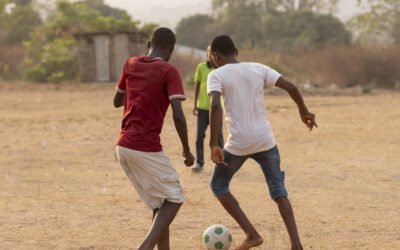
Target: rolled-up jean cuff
(221, 192)
(277, 194)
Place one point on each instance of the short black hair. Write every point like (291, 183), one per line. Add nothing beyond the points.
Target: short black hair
(162, 38)
(223, 44)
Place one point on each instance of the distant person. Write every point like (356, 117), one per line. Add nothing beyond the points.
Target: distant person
(201, 109)
(147, 86)
(241, 85)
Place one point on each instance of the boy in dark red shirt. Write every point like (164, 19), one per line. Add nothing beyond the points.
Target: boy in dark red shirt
(147, 86)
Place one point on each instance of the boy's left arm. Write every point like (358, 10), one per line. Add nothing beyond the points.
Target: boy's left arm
(307, 117)
(119, 98)
(217, 155)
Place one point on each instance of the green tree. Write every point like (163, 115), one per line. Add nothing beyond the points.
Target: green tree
(242, 20)
(20, 23)
(58, 62)
(3, 4)
(303, 29)
(104, 9)
(16, 25)
(17, 20)
(3, 34)
(274, 24)
(196, 31)
(379, 23)
(52, 51)
(267, 6)
(279, 23)
(22, 2)
(75, 17)
(310, 5)
(149, 27)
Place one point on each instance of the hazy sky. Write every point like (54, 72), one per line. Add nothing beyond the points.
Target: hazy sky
(169, 12)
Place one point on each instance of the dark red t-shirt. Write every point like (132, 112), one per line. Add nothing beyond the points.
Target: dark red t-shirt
(148, 83)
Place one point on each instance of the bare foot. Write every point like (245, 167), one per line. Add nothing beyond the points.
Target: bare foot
(250, 242)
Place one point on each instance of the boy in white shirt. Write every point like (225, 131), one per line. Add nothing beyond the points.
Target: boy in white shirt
(241, 85)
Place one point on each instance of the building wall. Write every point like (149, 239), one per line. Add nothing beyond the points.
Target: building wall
(87, 62)
(102, 44)
(102, 56)
(121, 53)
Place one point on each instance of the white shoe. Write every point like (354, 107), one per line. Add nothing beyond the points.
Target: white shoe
(197, 167)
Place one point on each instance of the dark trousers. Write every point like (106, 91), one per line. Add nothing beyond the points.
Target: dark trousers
(202, 124)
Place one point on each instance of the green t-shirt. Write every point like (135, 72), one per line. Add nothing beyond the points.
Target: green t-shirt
(201, 76)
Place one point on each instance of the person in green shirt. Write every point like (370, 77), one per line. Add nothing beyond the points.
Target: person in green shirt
(201, 108)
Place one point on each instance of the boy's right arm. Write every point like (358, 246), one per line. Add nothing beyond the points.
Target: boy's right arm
(181, 128)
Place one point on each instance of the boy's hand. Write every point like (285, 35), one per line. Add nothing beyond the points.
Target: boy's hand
(217, 156)
(189, 158)
(309, 119)
(195, 111)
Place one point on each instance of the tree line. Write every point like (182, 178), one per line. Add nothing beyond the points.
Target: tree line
(291, 24)
(41, 47)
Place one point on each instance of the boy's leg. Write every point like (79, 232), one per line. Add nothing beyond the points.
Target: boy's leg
(270, 164)
(286, 211)
(155, 170)
(231, 205)
(163, 243)
(220, 180)
(202, 124)
(160, 226)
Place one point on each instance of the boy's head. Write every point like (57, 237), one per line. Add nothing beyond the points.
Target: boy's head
(162, 39)
(223, 49)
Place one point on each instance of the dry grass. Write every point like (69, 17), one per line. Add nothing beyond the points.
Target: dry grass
(340, 65)
(62, 188)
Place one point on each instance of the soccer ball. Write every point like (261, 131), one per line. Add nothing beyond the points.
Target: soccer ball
(217, 237)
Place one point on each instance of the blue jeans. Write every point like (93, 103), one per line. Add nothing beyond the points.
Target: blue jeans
(269, 162)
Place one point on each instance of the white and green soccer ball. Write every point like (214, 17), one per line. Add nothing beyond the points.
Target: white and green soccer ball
(217, 237)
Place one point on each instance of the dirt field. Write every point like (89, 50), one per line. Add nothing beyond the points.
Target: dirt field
(62, 188)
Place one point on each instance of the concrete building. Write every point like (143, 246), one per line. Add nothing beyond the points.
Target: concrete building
(102, 54)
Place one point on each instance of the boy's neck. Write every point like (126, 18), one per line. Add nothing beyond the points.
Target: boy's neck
(157, 53)
(230, 60)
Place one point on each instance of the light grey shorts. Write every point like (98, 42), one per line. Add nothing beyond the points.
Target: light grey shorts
(152, 175)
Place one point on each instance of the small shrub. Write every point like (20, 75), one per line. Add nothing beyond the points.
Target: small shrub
(36, 74)
(369, 87)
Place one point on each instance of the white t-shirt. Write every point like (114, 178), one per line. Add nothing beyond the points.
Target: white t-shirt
(242, 88)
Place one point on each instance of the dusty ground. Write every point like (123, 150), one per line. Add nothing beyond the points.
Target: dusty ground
(62, 188)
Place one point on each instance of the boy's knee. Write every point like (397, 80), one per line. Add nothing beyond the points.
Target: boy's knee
(278, 193)
(175, 203)
(219, 188)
